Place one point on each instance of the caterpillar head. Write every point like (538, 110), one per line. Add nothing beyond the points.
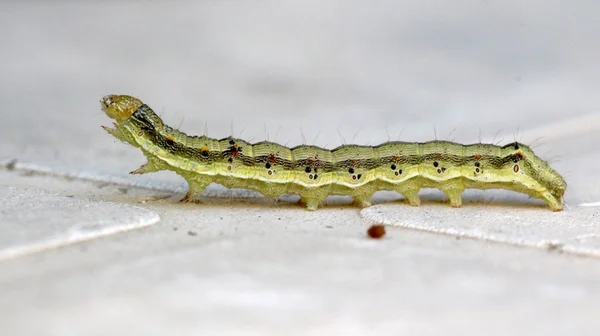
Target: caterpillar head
(120, 107)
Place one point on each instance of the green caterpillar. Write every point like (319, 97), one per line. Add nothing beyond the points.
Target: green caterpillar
(314, 173)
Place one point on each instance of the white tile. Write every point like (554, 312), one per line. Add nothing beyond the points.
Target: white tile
(575, 229)
(32, 220)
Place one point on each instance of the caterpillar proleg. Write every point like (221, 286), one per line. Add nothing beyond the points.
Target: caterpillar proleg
(313, 172)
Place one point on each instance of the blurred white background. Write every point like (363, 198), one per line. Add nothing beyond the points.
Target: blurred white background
(278, 68)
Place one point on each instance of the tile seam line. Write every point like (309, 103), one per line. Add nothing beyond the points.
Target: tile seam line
(16, 253)
(27, 167)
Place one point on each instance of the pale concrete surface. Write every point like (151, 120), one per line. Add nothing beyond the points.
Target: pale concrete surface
(238, 267)
(240, 264)
(575, 232)
(33, 220)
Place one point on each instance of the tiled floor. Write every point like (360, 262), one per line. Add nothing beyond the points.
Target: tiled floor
(86, 248)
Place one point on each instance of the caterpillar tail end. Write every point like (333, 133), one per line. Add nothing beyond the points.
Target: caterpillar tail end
(556, 205)
(554, 199)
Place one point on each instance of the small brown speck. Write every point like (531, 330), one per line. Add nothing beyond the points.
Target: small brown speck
(192, 233)
(376, 231)
(554, 246)
(11, 164)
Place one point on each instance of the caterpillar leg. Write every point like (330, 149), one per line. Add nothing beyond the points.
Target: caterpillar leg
(312, 198)
(455, 197)
(363, 201)
(153, 165)
(114, 131)
(454, 191)
(312, 204)
(118, 133)
(411, 196)
(196, 187)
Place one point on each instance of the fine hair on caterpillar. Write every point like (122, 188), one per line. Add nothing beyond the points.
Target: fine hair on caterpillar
(313, 172)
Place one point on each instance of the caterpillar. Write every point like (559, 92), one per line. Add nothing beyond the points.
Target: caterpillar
(313, 172)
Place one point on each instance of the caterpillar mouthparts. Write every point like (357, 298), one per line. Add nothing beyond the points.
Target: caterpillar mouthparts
(314, 172)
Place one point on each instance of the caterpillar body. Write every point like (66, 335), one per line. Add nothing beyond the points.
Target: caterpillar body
(313, 173)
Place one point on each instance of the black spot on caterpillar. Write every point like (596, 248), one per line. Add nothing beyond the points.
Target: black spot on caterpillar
(314, 173)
